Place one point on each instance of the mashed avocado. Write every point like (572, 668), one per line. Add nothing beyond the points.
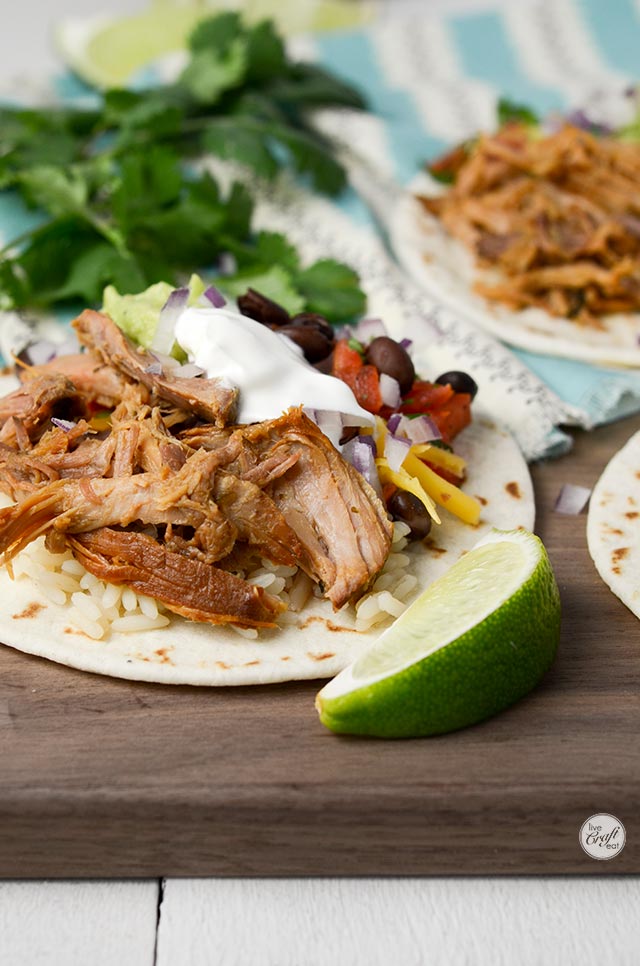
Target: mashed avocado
(137, 315)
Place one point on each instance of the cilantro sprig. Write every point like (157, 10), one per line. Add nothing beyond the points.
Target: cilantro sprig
(119, 203)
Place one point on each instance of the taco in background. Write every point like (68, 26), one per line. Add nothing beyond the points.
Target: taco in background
(613, 524)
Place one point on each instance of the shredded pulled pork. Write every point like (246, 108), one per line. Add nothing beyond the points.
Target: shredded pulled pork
(557, 217)
(172, 500)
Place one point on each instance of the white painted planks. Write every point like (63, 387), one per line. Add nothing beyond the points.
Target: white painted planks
(78, 923)
(413, 922)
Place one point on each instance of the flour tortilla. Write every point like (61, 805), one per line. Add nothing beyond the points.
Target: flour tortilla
(321, 644)
(447, 271)
(613, 524)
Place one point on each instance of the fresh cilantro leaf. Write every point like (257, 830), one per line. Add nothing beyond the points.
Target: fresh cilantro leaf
(266, 56)
(59, 191)
(239, 211)
(308, 85)
(212, 72)
(217, 33)
(273, 282)
(332, 290)
(97, 267)
(509, 111)
(240, 139)
(272, 248)
(122, 207)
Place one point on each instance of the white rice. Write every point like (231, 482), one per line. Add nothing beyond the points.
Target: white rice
(96, 607)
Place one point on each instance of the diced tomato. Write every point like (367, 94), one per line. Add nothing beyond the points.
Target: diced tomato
(366, 389)
(347, 362)
(453, 416)
(423, 397)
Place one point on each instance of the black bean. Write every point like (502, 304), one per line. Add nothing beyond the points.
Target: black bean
(390, 357)
(262, 309)
(409, 509)
(316, 320)
(313, 341)
(459, 382)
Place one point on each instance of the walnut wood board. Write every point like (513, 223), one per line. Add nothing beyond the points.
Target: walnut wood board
(101, 777)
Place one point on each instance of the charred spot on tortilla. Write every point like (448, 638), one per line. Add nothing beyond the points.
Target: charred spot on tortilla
(329, 624)
(619, 554)
(513, 490)
(434, 548)
(320, 657)
(31, 610)
(632, 514)
(481, 499)
(163, 654)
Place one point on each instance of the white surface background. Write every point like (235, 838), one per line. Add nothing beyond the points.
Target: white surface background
(300, 922)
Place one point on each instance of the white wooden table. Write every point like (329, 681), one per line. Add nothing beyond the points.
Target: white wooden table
(300, 922)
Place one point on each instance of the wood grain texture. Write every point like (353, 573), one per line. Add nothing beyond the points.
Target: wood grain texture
(102, 777)
(78, 923)
(299, 922)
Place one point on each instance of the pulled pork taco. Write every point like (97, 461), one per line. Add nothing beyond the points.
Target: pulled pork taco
(534, 236)
(613, 524)
(155, 531)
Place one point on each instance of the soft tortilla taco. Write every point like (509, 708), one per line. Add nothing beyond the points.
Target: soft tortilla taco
(156, 536)
(535, 238)
(613, 524)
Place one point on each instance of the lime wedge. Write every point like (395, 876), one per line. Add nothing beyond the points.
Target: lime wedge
(473, 643)
(108, 51)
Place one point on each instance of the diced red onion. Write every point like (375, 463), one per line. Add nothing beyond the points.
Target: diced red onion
(214, 296)
(361, 456)
(67, 348)
(406, 344)
(165, 332)
(369, 329)
(39, 352)
(166, 361)
(572, 499)
(422, 429)
(187, 371)
(350, 419)
(389, 390)
(393, 422)
(396, 451)
(154, 369)
(65, 424)
(330, 422)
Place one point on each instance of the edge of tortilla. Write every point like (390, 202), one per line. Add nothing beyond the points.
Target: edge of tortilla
(613, 524)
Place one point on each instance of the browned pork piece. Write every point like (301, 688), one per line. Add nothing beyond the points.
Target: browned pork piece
(558, 217)
(28, 409)
(211, 399)
(187, 586)
(336, 515)
(94, 381)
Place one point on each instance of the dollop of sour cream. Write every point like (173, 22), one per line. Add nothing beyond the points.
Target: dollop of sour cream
(269, 370)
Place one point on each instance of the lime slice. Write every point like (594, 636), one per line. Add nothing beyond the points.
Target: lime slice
(477, 639)
(108, 51)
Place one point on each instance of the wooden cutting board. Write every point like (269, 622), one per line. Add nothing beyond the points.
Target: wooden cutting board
(100, 777)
